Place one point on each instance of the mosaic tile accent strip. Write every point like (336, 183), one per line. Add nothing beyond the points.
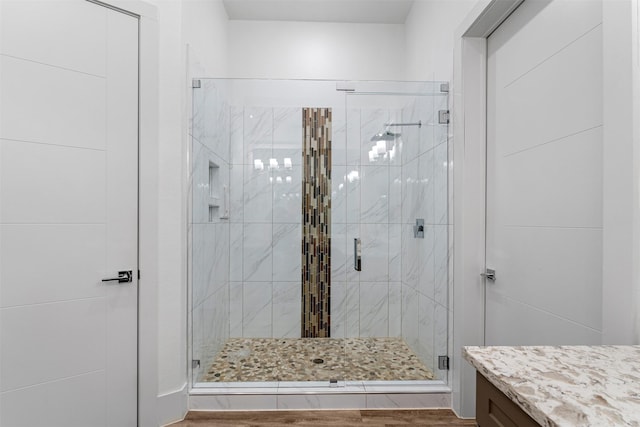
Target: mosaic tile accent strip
(295, 359)
(316, 223)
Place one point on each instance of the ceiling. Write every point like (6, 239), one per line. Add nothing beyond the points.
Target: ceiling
(354, 11)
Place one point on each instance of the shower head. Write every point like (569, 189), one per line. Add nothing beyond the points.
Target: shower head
(385, 136)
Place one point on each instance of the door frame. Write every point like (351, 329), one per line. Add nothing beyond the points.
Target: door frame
(148, 198)
(621, 198)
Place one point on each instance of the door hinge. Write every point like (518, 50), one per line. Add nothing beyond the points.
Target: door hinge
(195, 83)
(444, 87)
(443, 363)
(195, 363)
(443, 117)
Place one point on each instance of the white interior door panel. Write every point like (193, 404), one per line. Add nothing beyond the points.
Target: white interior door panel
(68, 214)
(544, 175)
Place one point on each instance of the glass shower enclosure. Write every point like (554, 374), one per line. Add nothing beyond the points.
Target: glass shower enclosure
(318, 232)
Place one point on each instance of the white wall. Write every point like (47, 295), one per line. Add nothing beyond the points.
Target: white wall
(429, 38)
(315, 50)
(204, 29)
(201, 25)
(621, 168)
(421, 49)
(635, 67)
(170, 269)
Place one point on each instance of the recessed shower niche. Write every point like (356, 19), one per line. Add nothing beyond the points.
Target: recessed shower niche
(218, 194)
(301, 169)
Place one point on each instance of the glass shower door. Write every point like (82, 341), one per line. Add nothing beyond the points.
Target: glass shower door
(267, 214)
(251, 264)
(395, 175)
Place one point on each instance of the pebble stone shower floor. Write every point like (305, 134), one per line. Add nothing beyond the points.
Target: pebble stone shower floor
(316, 359)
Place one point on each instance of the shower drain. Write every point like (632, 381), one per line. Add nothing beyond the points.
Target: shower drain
(318, 361)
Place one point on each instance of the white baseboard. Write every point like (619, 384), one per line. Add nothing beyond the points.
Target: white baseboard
(172, 407)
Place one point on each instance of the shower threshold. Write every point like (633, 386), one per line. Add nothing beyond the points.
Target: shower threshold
(309, 395)
(272, 374)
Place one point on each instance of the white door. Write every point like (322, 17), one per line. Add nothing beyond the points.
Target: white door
(68, 214)
(544, 175)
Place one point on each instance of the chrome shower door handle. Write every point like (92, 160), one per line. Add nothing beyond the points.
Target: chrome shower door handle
(357, 255)
(489, 274)
(125, 276)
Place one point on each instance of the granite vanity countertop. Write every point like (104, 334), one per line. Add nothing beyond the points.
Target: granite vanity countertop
(566, 385)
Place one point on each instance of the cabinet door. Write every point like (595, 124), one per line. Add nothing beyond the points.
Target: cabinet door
(494, 409)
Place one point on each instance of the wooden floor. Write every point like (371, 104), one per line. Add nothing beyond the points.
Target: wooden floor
(342, 418)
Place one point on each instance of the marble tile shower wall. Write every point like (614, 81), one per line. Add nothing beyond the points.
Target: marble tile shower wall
(424, 269)
(266, 169)
(366, 205)
(209, 232)
(266, 176)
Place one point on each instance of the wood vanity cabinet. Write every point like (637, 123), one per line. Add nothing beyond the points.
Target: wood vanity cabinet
(494, 409)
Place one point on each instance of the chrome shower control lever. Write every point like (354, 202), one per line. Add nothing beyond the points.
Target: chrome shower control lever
(125, 276)
(418, 229)
(357, 254)
(490, 274)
